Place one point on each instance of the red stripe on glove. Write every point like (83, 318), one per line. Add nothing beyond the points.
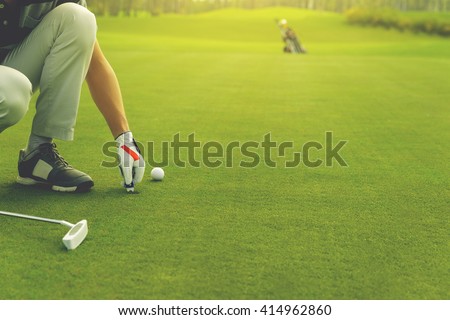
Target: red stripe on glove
(133, 154)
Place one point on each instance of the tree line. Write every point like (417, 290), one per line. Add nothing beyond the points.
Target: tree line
(422, 22)
(156, 7)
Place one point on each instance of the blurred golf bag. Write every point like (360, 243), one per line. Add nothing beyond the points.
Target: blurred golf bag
(290, 39)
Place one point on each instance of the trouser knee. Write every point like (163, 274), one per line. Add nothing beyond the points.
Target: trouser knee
(15, 96)
(80, 22)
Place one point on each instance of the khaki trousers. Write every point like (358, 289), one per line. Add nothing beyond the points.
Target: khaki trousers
(53, 59)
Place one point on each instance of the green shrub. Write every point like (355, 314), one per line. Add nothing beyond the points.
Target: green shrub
(430, 23)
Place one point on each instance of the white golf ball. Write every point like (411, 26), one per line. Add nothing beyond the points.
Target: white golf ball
(157, 174)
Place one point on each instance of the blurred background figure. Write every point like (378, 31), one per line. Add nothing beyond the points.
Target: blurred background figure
(292, 43)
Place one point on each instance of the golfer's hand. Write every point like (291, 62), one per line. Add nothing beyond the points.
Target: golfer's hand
(131, 162)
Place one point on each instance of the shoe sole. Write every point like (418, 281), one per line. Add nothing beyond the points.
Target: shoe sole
(82, 187)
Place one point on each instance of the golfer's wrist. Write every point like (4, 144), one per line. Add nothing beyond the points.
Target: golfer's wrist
(122, 134)
(118, 127)
(125, 137)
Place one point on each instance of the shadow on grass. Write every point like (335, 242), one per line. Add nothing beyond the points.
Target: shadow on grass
(40, 201)
(18, 190)
(17, 193)
(14, 195)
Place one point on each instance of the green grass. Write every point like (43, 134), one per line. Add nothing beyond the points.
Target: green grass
(377, 229)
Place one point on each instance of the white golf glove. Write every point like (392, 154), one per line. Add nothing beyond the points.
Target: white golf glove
(131, 162)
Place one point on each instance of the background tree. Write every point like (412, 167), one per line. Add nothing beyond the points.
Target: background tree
(156, 7)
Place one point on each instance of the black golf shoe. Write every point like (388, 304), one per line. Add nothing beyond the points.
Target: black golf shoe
(46, 166)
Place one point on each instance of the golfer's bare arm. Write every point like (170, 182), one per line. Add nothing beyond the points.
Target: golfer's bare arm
(105, 92)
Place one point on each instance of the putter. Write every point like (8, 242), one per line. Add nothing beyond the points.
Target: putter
(71, 240)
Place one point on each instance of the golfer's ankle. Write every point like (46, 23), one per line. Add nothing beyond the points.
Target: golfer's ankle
(34, 142)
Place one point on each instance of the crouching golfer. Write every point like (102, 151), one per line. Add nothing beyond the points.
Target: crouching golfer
(51, 45)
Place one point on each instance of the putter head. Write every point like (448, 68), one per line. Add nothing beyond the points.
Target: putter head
(76, 235)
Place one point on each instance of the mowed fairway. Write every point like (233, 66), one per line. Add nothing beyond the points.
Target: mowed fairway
(377, 229)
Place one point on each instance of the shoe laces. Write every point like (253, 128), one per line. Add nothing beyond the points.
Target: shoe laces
(49, 149)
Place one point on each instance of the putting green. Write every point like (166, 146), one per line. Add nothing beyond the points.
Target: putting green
(377, 229)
